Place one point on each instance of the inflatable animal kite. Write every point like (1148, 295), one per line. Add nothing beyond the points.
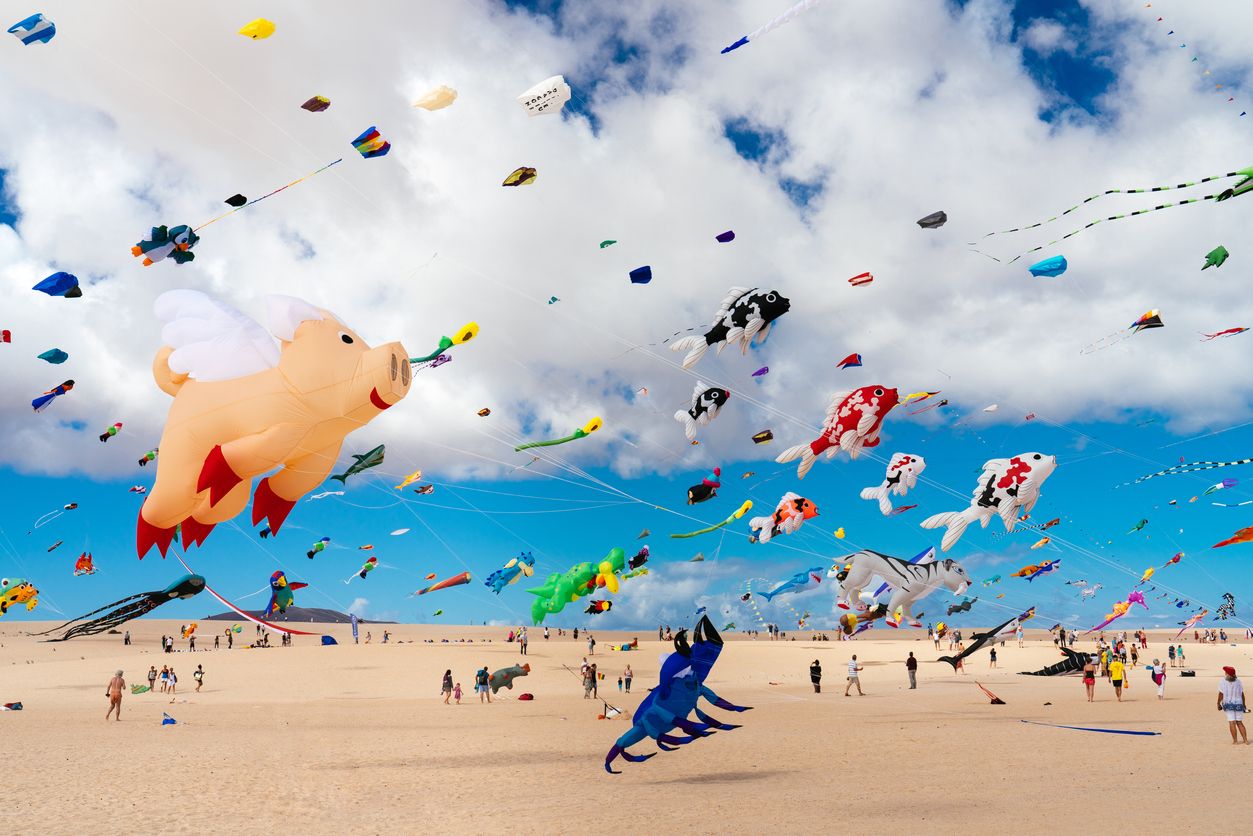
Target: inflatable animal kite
(853, 421)
(174, 243)
(281, 596)
(577, 581)
(84, 565)
(1119, 609)
(902, 475)
(707, 489)
(681, 684)
(504, 677)
(788, 517)
(799, 582)
(1006, 487)
(911, 582)
(17, 591)
(1073, 663)
(706, 401)
(244, 406)
(745, 314)
(981, 639)
(521, 566)
(120, 612)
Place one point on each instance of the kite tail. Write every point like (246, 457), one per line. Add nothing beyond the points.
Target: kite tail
(802, 451)
(766, 595)
(954, 521)
(881, 494)
(342, 478)
(695, 346)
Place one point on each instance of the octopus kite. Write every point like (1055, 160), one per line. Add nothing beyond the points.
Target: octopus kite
(120, 612)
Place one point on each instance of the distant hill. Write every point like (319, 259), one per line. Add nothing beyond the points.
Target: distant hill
(297, 615)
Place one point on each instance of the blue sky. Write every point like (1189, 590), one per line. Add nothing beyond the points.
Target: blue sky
(662, 146)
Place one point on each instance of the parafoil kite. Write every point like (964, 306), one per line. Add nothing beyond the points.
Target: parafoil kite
(111, 431)
(851, 361)
(735, 515)
(521, 176)
(436, 98)
(55, 356)
(586, 430)
(725, 237)
(119, 612)
(763, 437)
(911, 582)
(1005, 487)
(681, 684)
(258, 29)
(370, 143)
(745, 314)
(281, 596)
(41, 403)
(519, 567)
(60, 284)
(861, 279)
(641, 275)
(1216, 257)
(933, 221)
(243, 407)
(706, 402)
(902, 475)
(547, 97)
(762, 372)
(236, 200)
(795, 11)
(84, 565)
(34, 29)
(788, 517)
(1050, 267)
(316, 104)
(853, 421)
(447, 583)
(17, 591)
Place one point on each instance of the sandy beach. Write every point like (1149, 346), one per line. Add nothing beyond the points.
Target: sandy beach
(357, 738)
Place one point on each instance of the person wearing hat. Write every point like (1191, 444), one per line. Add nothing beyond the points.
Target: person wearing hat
(815, 676)
(114, 693)
(1231, 701)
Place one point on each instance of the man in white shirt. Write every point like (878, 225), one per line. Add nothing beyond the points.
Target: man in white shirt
(853, 679)
(1231, 702)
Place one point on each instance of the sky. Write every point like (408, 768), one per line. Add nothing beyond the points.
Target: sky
(819, 143)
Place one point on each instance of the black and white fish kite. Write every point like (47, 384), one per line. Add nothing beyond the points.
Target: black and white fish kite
(746, 314)
(706, 401)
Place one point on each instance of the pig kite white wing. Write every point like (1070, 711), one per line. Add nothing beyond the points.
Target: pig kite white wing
(212, 340)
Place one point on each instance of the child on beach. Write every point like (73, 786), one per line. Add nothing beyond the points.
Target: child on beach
(456, 694)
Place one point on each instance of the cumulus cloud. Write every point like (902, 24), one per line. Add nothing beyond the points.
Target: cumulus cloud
(1047, 36)
(864, 125)
(358, 607)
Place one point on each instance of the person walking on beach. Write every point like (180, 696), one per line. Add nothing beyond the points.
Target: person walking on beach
(815, 676)
(911, 668)
(627, 675)
(961, 667)
(853, 679)
(456, 692)
(480, 684)
(1179, 655)
(522, 641)
(1170, 654)
(992, 658)
(591, 645)
(589, 680)
(1159, 678)
(445, 687)
(1019, 632)
(114, 693)
(152, 678)
(1116, 672)
(173, 682)
(595, 682)
(1089, 678)
(545, 632)
(126, 638)
(165, 678)
(199, 677)
(1135, 656)
(576, 634)
(1230, 700)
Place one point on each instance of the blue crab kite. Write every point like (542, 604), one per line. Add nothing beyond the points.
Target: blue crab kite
(681, 685)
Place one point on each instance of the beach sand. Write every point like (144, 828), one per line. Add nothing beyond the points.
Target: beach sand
(357, 738)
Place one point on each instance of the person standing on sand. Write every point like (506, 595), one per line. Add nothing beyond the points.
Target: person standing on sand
(992, 658)
(114, 692)
(627, 675)
(445, 687)
(1159, 678)
(456, 692)
(1089, 678)
(1019, 632)
(126, 638)
(591, 645)
(595, 683)
(1179, 655)
(230, 639)
(815, 676)
(199, 677)
(1116, 673)
(545, 632)
(173, 682)
(152, 678)
(522, 641)
(1135, 656)
(576, 634)
(589, 674)
(165, 678)
(911, 667)
(1230, 700)
(853, 678)
(480, 684)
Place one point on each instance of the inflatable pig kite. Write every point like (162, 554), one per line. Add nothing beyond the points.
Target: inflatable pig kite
(244, 406)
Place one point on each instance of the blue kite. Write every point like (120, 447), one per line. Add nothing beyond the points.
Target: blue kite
(523, 564)
(1051, 267)
(34, 29)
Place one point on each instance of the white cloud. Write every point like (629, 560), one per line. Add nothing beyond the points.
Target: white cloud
(118, 127)
(1048, 36)
(358, 607)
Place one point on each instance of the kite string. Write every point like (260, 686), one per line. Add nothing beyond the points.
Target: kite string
(264, 196)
